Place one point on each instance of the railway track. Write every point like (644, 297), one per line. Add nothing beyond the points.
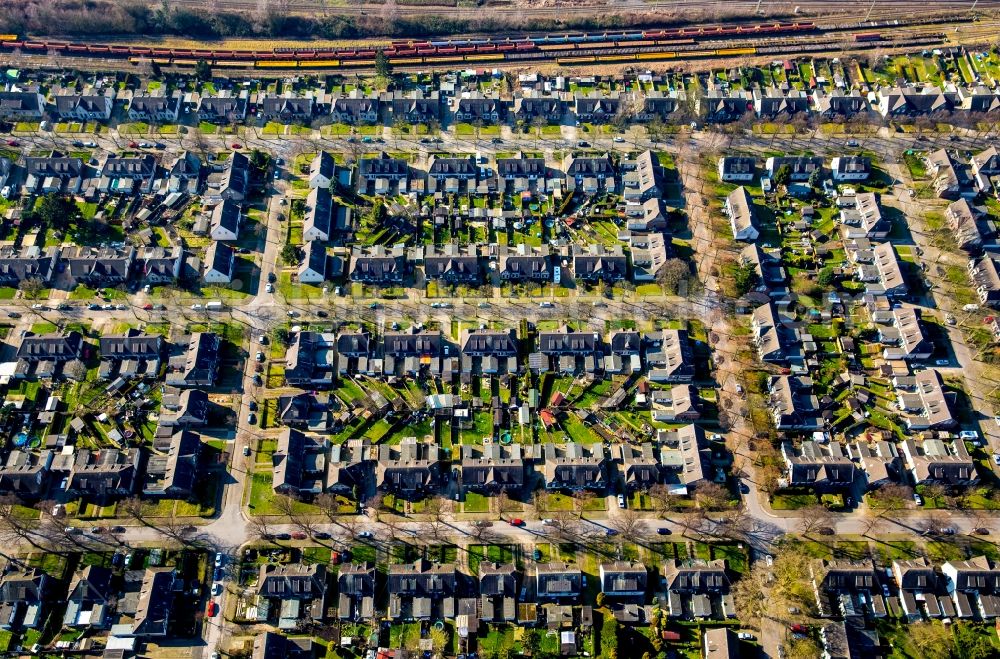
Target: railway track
(734, 8)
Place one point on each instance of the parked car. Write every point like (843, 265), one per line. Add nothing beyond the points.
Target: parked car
(246, 451)
(299, 535)
(283, 536)
(746, 636)
(919, 500)
(366, 534)
(321, 535)
(517, 521)
(252, 419)
(216, 588)
(621, 500)
(610, 532)
(663, 531)
(219, 558)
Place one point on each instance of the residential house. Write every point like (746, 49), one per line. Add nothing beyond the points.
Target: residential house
(569, 351)
(315, 267)
(356, 588)
(574, 466)
(219, 264)
(648, 216)
(964, 221)
(679, 404)
(717, 107)
(287, 109)
(489, 350)
(974, 586)
(416, 107)
(698, 589)
(949, 177)
(318, 221)
(492, 468)
(98, 267)
(476, 107)
(659, 105)
(939, 461)
(822, 467)
(720, 643)
(978, 98)
(353, 352)
(423, 590)
(649, 255)
(199, 365)
(379, 174)
(918, 586)
(21, 106)
(448, 174)
(155, 109)
(131, 354)
(300, 463)
(185, 173)
(595, 262)
(685, 459)
(531, 106)
(310, 360)
(985, 276)
(880, 462)
(409, 354)
(498, 586)
(641, 178)
(378, 266)
(25, 594)
(773, 103)
(55, 173)
(792, 403)
(851, 168)
(270, 645)
(742, 217)
(150, 607)
(298, 591)
(596, 108)
(322, 171)
(623, 579)
(33, 262)
(737, 169)
(49, 355)
(222, 109)
(410, 469)
(914, 101)
(767, 266)
(640, 469)
(589, 174)
(524, 263)
(923, 403)
(800, 168)
(861, 217)
(187, 409)
(349, 467)
(234, 183)
(173, 474)
(776, 338)
(355, 108)
(90, 107)
(226, 220)
(25, 474)
(985, 165)
(159, 265)
(889, 272)
(840, 583)
(558, 582)
(452, 264)
(90, 599)
(904, 338)
(840, 104)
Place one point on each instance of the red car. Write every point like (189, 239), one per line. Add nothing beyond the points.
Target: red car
(517, 521)
(133, 145)
(12, 143)
(299, 535)
(147, 306)
(237, 145)
(799, 629)
(213, 609)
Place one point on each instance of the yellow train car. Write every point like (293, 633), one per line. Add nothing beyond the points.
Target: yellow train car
(616, 58)
(570, 61)
(736, 51)
(319, 63)
(184, 62)
(358, 62)
(277, 64)
(555, 46)
(652, 56)
(8, 37)
(444, 60)
(498, 57)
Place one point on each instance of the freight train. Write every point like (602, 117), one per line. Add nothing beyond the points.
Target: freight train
(410, 51)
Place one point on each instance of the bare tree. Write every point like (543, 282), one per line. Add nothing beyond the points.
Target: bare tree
(815, 517)
(287, 507)
(258, 526)
(663, 500)
(376, 504)
(503, 504)
(890, 498)
(582, 500)
(629, 525)
(711, 496)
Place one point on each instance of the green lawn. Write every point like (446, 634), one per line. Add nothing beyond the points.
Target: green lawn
(476, 503)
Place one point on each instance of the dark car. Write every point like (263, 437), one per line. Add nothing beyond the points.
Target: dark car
(283, 536)
(321, 535)
(610, 532)
(257, 380)
(663, 530)
(252, 419)
(253, 406)
(118, 529)
(322, 314)
(271, 277)
(982, 530)
(13, 314)
(826, 530)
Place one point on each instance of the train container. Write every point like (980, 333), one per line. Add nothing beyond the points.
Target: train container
(74, 48)
(495, 57)
(321, 63)
(184, 62)
(655, 56)
(139, 51)
(429, 50)
(506, 47)
(8, 37)
(231, 64)
(602, 44)
(551, 46)
(722, 52)
(868, 36)
(276, 64)
(447, 49)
